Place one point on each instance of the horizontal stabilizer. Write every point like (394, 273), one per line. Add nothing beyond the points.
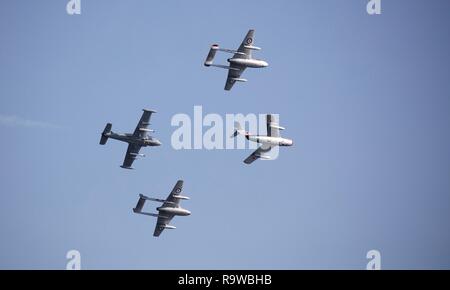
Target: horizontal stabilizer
(139, 205)
(105, 133)
(238, 130)
(103, 140)
(137, 154)
(211, 55)
(181, 197)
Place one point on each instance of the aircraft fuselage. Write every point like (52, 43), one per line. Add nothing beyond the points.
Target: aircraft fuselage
(268, 140)
(255, 63)
(174, 210)
(129, 138)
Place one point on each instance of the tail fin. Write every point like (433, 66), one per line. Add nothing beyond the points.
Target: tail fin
(105, 133)
(140, 204)
(238, 130)
(211, 54)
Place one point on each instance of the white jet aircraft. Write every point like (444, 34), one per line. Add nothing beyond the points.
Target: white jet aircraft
(170, 207)
(272, 139)
(241, 59)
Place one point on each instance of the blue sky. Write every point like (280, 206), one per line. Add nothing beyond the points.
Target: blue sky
(365, 99)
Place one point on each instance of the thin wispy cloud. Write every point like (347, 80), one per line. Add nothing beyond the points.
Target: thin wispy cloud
(16, 121)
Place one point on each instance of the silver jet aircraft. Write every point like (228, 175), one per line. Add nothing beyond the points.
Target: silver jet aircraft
(272, 139)
(136, 140)
(170, 207)
(241, 59)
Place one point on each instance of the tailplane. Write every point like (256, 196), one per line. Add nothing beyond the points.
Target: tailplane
(140, 206)
(105, 133)
(211, 55)
(238, 130)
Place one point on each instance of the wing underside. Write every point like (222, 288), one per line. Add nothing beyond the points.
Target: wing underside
(273, 128)
(164, 219)
(142, 130)
(233, 74)
(161, 223)
(261, 152)
(242, 52)
(131, 155)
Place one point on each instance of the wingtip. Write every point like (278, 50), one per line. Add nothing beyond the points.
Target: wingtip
(124, 167)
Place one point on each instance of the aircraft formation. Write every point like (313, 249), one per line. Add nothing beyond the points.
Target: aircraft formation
(241, 59)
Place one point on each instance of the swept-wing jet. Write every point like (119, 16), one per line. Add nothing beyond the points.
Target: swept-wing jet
(170, 207)
(139, 138)
(268, 142)
(241, 59)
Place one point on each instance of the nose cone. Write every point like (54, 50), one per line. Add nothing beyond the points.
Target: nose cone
(157, 142)
(188, 212)
(291, 143)
(265, 64)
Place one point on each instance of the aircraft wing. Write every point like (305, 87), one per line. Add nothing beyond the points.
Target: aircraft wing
(142, 130)
(273, 128)
(171, 201)
(233, 73)
(161, 222)
(248, 41)
(261, 152)
(242, 52)
(131, 155)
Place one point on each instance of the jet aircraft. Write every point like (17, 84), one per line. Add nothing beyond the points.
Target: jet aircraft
(170, 207)
(268, 142)
(139, 138)
(241, 59)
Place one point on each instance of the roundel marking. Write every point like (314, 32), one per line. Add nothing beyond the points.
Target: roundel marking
(178, 190)
(249, 40)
